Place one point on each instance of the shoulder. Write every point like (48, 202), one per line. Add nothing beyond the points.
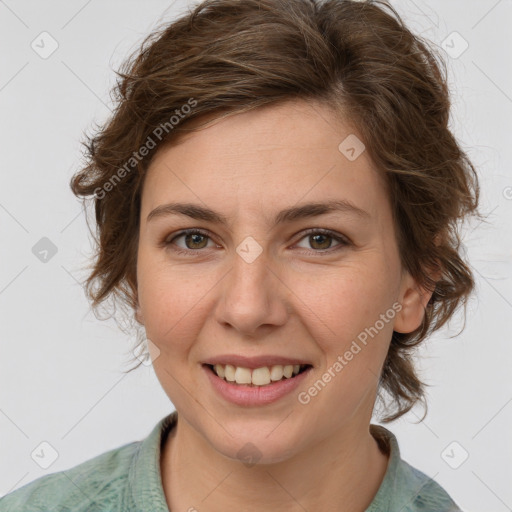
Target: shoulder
(425, 493)
(404, 487)
(96, 484)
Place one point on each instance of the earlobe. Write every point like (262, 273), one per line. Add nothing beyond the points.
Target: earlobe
(138, 315)
(414, 300)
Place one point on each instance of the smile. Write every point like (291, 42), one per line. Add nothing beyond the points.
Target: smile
(262, 376)
(255, 387)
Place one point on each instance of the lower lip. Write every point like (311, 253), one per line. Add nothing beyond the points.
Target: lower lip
(241, 394)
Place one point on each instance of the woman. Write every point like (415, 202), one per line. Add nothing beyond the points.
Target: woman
(277, 197)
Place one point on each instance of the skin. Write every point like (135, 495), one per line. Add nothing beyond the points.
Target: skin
(303, 295)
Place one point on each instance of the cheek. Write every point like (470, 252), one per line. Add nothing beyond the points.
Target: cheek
(347, 326)
(173, 302)
(343, 303)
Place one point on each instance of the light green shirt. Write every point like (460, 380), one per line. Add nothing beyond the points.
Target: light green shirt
(128, 479)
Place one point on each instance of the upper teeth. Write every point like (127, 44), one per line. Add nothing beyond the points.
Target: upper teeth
(259, 376)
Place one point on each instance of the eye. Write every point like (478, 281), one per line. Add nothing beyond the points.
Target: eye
(194, 240)
(321, 239)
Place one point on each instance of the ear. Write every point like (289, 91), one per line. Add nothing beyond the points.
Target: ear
(132, 281)
(139, 316)
(414, 300)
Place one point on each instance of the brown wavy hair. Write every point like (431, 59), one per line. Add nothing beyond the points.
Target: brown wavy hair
(224, 57)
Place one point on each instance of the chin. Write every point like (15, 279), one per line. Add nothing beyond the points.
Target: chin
(257, 452)
(253, 444)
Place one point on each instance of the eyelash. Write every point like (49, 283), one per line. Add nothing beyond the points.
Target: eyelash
(344, 242)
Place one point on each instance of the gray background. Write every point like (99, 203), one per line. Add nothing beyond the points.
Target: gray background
(61, 379)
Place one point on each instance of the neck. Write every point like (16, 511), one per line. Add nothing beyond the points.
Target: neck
(342, 472)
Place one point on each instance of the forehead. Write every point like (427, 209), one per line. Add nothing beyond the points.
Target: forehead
(274, 156)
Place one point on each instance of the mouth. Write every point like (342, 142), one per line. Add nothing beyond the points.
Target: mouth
(257, 377)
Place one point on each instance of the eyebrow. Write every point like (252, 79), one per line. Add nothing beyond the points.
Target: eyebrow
(294, 213)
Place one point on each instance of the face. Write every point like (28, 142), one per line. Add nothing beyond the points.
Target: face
(299, 287)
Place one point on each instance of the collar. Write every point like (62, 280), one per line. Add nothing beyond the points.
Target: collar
(145, 477)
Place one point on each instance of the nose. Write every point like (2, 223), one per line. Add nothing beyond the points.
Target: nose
(254, 297)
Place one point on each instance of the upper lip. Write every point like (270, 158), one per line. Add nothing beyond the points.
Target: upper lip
(254, 362)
